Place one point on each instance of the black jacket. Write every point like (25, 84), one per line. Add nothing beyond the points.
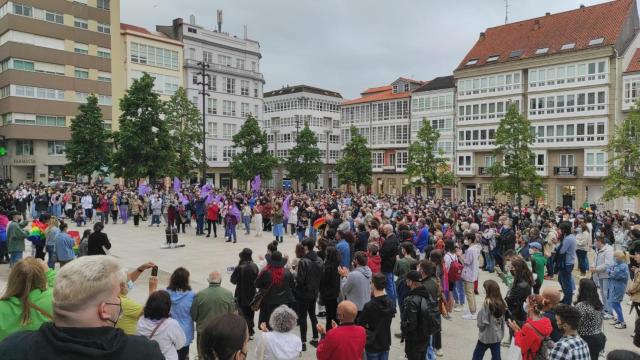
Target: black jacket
(362, 243)
(278, 295)
(416, 305)
(388, 253)
(507, 240)
(96, 241)
(101, 343)
(376, 318)
(516, 296)
(330, 282)
(244, 277)
(308, 277)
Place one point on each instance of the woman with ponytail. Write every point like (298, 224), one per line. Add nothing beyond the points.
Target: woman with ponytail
(278, 283)
(530, 336)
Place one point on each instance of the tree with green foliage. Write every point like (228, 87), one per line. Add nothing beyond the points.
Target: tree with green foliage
(144, 147)
(427, 165)
(624, 158)
(354, 168)
(252, 156)
(514, 171)
(88, 151)
(304, 162)
(185, 127)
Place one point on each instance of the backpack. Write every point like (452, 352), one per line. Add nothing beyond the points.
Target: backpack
(455, 270)
(545, 346)
(429, 315)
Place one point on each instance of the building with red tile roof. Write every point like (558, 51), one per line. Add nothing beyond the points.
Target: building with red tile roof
(563, 72)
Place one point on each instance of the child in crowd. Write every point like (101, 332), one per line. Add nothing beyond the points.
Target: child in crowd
(491, 321)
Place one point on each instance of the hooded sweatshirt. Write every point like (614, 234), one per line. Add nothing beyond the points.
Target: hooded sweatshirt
(168, 335)
(279, 346)
(527, 338)
(100, 343)
(356, 287)
(376, 318)
(181, 311)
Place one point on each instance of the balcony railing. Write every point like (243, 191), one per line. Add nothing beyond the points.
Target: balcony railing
(565, 170)
(483, 171)
(226, 69)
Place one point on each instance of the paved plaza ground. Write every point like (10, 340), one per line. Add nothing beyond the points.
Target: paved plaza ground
(134, 246)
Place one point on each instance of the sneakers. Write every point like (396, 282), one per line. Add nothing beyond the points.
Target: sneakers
(620, 326)
(469, 316)
(304, 347)
(458, 307)
(314, 343)
(439, 353)
(607, 316)
(614, 322)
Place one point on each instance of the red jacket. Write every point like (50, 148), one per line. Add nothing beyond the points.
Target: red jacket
(346, 342)
(528, 340)
(212, 212)
(374, 263)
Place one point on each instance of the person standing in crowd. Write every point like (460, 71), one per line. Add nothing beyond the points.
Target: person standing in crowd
(432, 284)
(538, 264)
(519, 291)
(344, 249)
(64, 245)
(181, 300)
(355, 286)
(226, 337)
(529, 337)
(131, 309)
(87, 206)
(618, 278)
(470, 273)
(277, 221)
(278, 283)
(302, 225)
(50, 234)
(388, 255)
(86, 308)
(246, 218)
(136, 210)
(308, 276)
(405, 263)
(454, 268)
(244, 277)
(600, 272)
(566, 251)
(199, 210)
(551, 297)
(571, 346)
(103, 206)
(156, 209)
(15, 238)
(27, 301)
(281, 343)
(230, 221)
(98, 241)
(414, 316)
(257, 218)
(158, 325)
(213, 211)
(330, 285)
(113, 206)
(590, 326)
(292, 221)
(123, 207)
(346, 341)
(211, 302)
(491, 321)
(583, 245)
(376, 318)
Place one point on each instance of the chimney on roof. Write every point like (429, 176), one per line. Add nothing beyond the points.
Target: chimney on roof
(547, 14)
(192, 19)
(581, 6)
(482, 35)
(219, 20)
(536, 24)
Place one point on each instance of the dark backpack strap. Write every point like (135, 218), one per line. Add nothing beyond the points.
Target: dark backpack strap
(536, 330)
(156, 328)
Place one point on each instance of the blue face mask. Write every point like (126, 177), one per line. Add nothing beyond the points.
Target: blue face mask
(130, 285)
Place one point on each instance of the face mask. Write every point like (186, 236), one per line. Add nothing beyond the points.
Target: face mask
(466, 242)
(130, 285)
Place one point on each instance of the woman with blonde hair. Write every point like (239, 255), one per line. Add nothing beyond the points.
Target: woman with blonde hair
(50, 233)
(27, 302)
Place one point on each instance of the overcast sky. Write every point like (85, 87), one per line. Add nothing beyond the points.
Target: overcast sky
(350, 45)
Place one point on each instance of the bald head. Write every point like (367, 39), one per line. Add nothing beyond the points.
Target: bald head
(551, 296)
(387, 228)
(214, 278)
(347, 311)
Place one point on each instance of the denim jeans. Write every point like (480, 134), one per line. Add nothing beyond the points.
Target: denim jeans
(458, 292)
(490, 263)
(603, 284)
(155, 219)
(312, 233)
(378, 356)
(615, 305)
(50, 260)
(481, 348)
(14, 257)
(391, 287)
(231, 232)
(300, 235)
(566, 282)
(246, 220)
(200, 224)
(583, 260)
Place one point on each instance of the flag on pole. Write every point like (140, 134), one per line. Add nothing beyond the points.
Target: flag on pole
(177, 185)
(256, 183)
(143, 189)
(205, 190)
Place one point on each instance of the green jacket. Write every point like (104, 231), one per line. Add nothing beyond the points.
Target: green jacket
(538, 263)
(15, 237)
(210, 303)
(11, 309)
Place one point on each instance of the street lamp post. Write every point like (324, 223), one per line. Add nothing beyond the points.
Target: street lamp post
(204, 82)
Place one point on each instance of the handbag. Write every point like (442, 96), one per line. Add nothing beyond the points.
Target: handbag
(515, 353)
(256, 302)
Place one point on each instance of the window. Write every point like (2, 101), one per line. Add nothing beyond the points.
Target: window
(515, 54)
(103, 4)
(227, 153)
(55, 147)
(228, 108)
(228, 130)
(38, 93)
(541, 51)
(104, 28)
(24, 147)
(493, 58)
(23, 65)
(567, 160)
(212, 106)
(240, 64)
(53, 17)
(81, 73)
(472, 62)
(212, 153)
(104, 53)
(230, 85)
(207, 56)
(81, 48)
(104, 76)
(23, 10)
(81, 23)
(154, 56)
(595, 163)
(244, 87)
(212, 129)
(597, 41)
(212, 84)
(377, 160)
(568, 46)
(256, 89)
(224, 60)
(464, 163)
(245, 110)
(192, 30)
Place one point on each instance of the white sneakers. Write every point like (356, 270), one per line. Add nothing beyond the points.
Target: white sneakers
(469, 316)
(458, 307)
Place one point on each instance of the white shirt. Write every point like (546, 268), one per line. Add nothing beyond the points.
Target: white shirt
(87, 202)
(275, 345)
(169, 335)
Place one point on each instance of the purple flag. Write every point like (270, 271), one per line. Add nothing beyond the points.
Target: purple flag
(177, 185)
(236, 212)
(210, 198)
(256, 183)
(218, 198)
(285, 207)
(205, 190)
(183, 199)
(143, 189)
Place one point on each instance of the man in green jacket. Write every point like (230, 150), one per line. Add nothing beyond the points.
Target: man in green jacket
(15, 238)
(538, 263)
(211, 302)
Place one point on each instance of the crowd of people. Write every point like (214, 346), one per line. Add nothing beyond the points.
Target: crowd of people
(360, 261)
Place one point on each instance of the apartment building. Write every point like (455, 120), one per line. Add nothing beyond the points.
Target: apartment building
(563, 72)
(52, 55)
(383, 116)
(630, 94)
(234, 87)
(434, 102)
(151, 52)
(287, 111)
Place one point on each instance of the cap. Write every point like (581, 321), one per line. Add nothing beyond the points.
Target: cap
(413, 275)
(536, 245)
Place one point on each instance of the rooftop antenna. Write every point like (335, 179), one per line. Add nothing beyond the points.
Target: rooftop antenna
(219, 21)
(506, 11)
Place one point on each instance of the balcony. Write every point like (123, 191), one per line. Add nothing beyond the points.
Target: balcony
(389, 169)
(565, 170)
(483, 171)
(226, 69)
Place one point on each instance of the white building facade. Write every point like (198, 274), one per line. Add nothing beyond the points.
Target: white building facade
(286, 111)
(234, 87)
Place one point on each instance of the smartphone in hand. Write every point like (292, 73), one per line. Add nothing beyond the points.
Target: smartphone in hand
(154, 271)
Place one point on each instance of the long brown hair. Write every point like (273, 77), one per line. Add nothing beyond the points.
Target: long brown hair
(521, 272)
(27, 275)
(494, 300)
